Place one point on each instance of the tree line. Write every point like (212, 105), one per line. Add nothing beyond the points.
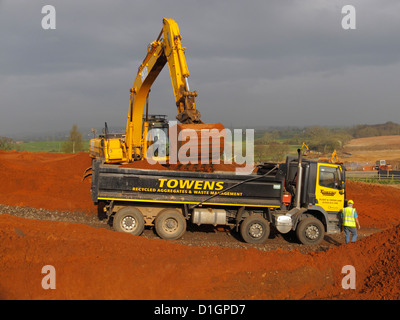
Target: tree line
(273, 145)
(270, 145)
(326, 140)
(73, 144)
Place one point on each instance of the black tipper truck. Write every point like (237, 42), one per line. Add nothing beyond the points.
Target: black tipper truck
(299, 195)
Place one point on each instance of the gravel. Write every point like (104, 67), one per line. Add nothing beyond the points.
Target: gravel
(50, 215)
(204, 235)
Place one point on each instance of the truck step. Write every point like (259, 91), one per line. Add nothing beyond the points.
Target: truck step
(334, 223)
(333, 229)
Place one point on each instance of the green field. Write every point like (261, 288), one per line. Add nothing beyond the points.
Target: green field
(45, 146)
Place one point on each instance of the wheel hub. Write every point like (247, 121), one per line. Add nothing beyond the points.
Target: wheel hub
(128, 223)
(170, 225)
(256, 230)
(312, 232)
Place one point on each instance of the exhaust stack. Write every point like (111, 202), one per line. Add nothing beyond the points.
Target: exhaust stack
(299, 179)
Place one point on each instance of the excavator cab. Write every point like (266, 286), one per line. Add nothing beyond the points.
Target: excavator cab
(155, 130)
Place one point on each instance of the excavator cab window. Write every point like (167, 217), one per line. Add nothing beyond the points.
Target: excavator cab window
(158, 128)
(159, 135)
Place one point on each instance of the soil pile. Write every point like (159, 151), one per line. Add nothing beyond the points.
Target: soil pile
(53, 181)
(197, 143)
(45, 180)
(218, 167)
(368, 150)
(143, 164)
(374, 143)
(377, 205)
(101, 264)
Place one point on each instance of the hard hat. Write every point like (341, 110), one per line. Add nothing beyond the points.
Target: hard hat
(350, 202)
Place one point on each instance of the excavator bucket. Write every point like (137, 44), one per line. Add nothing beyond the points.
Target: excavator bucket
(197, 144)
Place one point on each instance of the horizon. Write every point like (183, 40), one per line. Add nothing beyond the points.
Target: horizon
(87, 133)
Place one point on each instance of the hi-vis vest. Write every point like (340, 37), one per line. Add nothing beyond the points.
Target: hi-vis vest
(348, 217)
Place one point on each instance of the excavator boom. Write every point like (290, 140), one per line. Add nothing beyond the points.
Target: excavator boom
(167, 48)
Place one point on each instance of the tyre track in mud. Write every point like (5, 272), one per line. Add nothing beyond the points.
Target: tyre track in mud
(201, 236)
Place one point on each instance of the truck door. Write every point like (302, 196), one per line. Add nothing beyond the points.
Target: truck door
(329, 190)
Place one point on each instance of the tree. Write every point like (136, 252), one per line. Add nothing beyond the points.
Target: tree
(277, 151)
(7, 143)
(325, 140)
(74, 143)
(260, 152)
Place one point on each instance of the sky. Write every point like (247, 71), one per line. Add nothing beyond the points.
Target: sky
(253, 63)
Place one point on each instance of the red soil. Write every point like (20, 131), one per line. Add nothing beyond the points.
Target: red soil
(144, 164)
(198, 137)
(377, 205)
(45, 180)
(369, 150)
(101, 264)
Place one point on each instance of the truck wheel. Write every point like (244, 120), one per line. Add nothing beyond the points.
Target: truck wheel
(254, 229)
(310, 231)
(170, 224)
(129, 220)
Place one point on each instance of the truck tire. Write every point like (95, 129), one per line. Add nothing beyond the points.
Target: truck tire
(170, 224)
(255, 229)
(310, 231)
(129, 220)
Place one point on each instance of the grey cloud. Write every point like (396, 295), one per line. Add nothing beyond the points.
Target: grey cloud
(254, 63)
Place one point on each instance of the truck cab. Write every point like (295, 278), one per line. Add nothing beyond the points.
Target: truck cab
(319, 201)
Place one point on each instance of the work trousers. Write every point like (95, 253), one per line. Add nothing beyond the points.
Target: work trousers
(348, 231)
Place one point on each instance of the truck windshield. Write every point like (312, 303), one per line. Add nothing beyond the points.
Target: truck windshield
(329, 177)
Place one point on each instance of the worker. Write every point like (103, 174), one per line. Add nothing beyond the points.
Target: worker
(350, 222)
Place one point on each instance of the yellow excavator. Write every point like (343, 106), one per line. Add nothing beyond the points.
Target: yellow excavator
(333, 159)
(307, 149)
(307, 152)
(132, 145)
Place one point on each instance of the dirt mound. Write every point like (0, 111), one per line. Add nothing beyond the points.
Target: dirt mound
(375, 143)
(143, 164)
(371, 149)
(225, 167)
(101, 264)
(53, 181)
(45, 180)
(377, 205)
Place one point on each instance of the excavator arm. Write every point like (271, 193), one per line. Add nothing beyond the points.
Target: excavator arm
(167, 48)
(132, 144)
(179, 72)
